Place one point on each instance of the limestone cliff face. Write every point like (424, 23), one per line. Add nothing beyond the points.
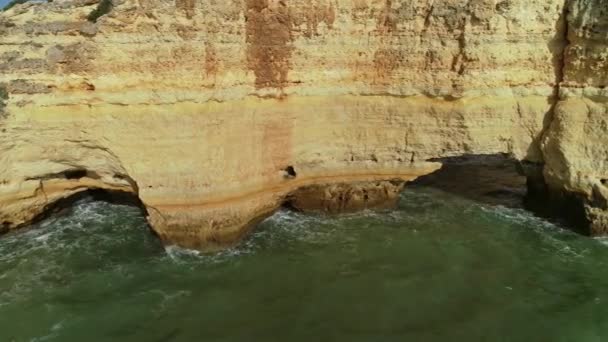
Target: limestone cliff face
(201, 107)
(575, 147)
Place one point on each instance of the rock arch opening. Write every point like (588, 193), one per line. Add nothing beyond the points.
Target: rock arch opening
(103, 195)
(55, 194)
(500, 180)
(492, 179)
(495, 179)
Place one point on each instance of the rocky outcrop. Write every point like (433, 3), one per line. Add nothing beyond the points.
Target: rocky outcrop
(345, 197)
(215, 113)
(575, 148)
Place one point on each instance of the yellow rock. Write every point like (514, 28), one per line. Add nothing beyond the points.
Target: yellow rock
(199, 107)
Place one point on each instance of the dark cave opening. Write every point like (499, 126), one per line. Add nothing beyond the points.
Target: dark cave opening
(64, 205)
(75, 174)
(290, 172)
(500, 180)
(491, 179)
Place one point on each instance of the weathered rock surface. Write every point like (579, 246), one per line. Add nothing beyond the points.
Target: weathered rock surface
(345, 197)
(198, 107)
(575, 147)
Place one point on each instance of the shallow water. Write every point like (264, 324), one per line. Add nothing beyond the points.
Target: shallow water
(439, 268)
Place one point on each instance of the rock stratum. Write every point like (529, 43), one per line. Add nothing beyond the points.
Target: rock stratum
(215, 113)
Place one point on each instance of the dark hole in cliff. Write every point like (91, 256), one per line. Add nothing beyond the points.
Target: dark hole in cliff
(564, 208)
(604, 181)
(4, 227)
(491, 179)
(62, 206)
(290, 171)
(498, 179)
(103, 7)
(75, 174)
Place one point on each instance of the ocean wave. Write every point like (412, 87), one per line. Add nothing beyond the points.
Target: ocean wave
(54, 250)
(602, 240)
(522, 216)
(557, 239)
(185, 256)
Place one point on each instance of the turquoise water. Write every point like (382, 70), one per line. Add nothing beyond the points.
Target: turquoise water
(439, 268)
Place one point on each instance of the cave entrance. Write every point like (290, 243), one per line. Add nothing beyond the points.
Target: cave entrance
(500, 180)
(493, 179)
(64, 205)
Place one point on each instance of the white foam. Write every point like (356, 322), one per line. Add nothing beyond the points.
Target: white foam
(602, 240)
(57, 326)
(522, 216)
(183, 255)
(175, 252)
(43, 238)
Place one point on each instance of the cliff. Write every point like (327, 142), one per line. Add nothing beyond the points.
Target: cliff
(214, 113)
(575, 146)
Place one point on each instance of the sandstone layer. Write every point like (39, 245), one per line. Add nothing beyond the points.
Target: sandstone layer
(215, 113)
(575, 148)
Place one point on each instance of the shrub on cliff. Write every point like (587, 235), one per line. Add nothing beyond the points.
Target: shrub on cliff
(103, 7)
(3, 98)
(3, 93)
(13, 3)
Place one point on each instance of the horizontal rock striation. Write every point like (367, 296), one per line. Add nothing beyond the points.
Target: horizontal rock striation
(345, 197)
(215, 113)
(575, 147)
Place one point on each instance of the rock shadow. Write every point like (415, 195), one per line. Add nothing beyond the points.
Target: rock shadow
(489, 179)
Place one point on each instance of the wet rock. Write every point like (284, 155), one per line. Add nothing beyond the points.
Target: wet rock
(346, 197)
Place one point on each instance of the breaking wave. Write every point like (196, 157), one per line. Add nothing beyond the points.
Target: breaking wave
(97, 267)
